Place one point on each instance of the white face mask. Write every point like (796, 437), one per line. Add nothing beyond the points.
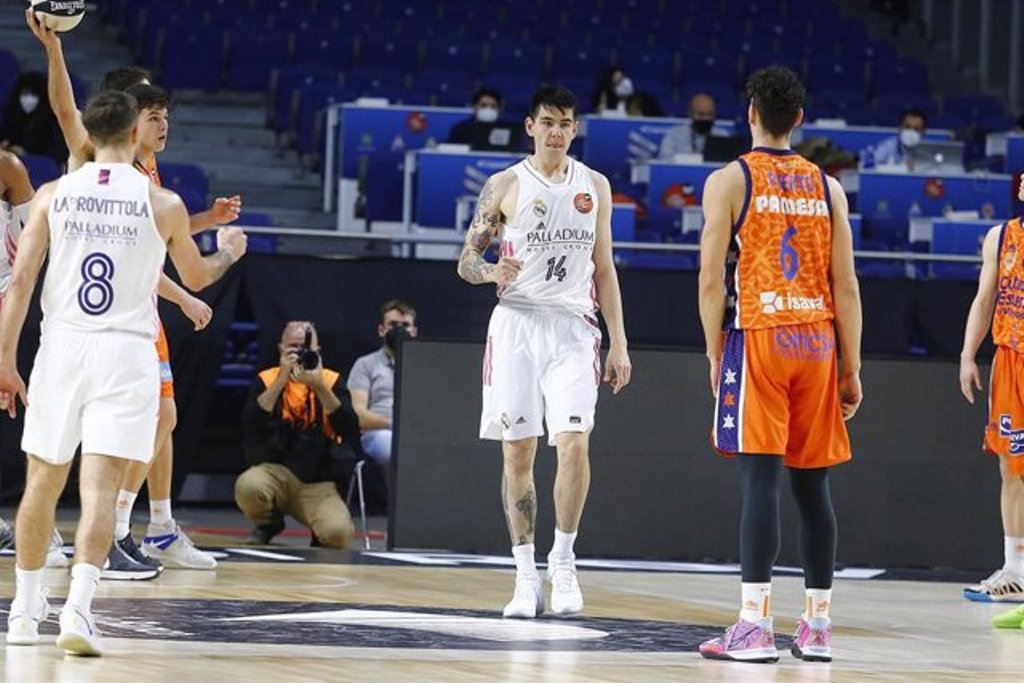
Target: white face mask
(909, 137)
(29, 102)
(486, 115)
(624, 88)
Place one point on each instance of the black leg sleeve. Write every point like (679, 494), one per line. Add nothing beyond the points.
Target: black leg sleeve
(759, 521)
(818, 528)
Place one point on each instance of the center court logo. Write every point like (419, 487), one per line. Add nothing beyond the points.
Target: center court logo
(773, 302)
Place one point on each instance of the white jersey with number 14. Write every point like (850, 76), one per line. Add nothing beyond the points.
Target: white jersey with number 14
(552, 233)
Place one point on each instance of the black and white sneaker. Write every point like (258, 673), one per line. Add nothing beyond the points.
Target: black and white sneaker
(121, 567)
(127, 545)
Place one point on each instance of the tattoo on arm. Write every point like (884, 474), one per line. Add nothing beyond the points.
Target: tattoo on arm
(486, 224)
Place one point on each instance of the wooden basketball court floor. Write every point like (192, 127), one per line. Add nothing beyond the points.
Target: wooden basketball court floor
(292, 613)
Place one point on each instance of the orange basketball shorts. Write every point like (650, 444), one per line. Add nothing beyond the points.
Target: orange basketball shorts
(778, 394)
(1004, 433)
(163, 352)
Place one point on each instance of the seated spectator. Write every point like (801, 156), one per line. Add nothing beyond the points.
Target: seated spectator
(372, 381)
(613, 90)
(297, 426)
(486, 131)
(692, 137)
(894, 150)
(29, 126)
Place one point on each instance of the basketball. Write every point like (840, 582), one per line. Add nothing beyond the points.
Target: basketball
(59, 15)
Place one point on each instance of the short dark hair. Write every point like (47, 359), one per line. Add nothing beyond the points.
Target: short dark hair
(914, 111)
(124, 77)
(486, 92)
(778, 95)
(150, 96)
(555, 97)
(109, 118)
(396, 305)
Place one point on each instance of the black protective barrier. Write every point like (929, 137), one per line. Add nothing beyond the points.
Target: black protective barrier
(918, 492)
(343, 297)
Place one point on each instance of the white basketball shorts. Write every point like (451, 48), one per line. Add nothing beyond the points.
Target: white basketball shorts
(540, 367)
(100, 389)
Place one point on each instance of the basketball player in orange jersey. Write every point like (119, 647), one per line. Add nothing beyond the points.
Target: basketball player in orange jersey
(127, 561)
(777, 228)
(1000, 299)
(542, 365)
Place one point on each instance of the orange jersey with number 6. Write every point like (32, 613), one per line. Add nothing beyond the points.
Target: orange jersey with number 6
(778, 268)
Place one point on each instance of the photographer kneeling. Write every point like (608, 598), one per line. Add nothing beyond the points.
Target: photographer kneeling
(296, 426)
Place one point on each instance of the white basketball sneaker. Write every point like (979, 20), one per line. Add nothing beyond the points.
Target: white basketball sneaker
(78, 633)
(175, 549)
(528, 600)
(566, 597)
(23, 628)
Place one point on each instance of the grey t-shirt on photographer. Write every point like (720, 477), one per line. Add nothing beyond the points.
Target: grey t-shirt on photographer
(374, 373)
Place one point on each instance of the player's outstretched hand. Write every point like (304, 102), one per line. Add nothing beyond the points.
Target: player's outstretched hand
(617, 369)
(226, 209)
(850, 394)
(506, 270)
(969, 379)
(47, 36)
(233, 241)
(197, 311)
(12, 388)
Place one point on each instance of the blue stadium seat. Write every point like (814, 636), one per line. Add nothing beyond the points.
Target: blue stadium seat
(465, 58)
(40, 169)
(312, 100)
(522, 59)
(714, 67)
(285, 83)
(191, 60)
(973, 108)
(163, 28)
(836, 73)
(646, 67)
(399, 55)
(899, 76)
(179, 176)
(579, 61)
(252, 56)
(324, 48)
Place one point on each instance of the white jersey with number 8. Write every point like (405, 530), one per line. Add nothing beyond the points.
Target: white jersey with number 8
(105, 255)
(552, 233)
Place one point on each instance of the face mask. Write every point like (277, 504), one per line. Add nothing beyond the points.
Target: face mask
(624, 88)
(394, 337)
(910, 137)
(702, 127)
(29, 101)
(486, 115)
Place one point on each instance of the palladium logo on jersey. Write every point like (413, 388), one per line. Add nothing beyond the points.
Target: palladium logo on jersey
(773, 302)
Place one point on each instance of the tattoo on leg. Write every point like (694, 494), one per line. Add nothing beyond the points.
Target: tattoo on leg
(504, 506)
(528, 506)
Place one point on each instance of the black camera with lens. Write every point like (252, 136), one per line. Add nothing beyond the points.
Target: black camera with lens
(307, 357)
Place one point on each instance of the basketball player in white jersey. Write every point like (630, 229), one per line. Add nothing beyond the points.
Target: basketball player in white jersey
(171, 544)
(542, 363)
(106, 230)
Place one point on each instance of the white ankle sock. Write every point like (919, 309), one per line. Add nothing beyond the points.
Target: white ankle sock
(563, 543)
(160, 515)
(817, 603)
(1013, 550)
(26, 593)
(84, 579)
(756, 601)
(123, 513)
(526, 563)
